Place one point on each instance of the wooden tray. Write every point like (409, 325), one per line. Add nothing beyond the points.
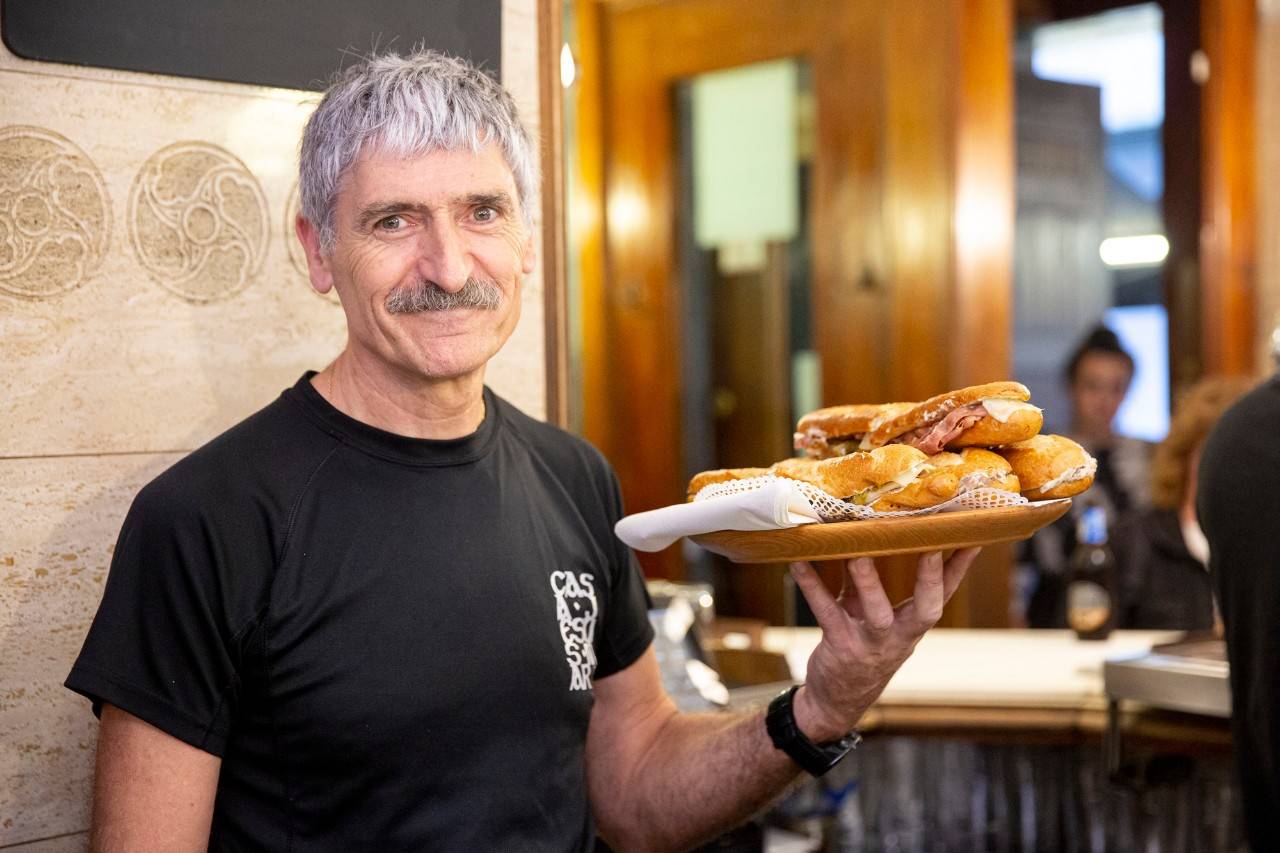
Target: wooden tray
(876, 537)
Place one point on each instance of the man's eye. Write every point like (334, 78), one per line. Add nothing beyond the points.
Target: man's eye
(486, 214)
(391, 223)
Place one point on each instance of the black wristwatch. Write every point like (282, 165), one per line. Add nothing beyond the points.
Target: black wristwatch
(814, 758)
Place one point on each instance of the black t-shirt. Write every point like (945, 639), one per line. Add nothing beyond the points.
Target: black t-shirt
(1238, 505)
(390, 641)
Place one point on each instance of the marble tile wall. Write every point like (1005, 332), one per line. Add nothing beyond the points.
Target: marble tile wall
(138, 320)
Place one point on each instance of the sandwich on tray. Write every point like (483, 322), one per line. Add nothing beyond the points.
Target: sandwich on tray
(952, 475)
(721, 475)
(987, 415)
(865, 479)
(906, 456)
(1050, 466)
(837, 430)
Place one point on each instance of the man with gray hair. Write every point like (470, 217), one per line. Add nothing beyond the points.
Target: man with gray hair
(388, 611)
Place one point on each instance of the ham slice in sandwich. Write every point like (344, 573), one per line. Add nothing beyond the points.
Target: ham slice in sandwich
(989, 415)
(839, 430)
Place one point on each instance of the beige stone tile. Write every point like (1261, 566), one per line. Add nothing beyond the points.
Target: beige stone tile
(153, 299)
(61, 518)
(77, 842)
(169, 338)
(154, 302)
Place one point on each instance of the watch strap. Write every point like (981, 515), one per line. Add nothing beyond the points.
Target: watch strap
(814, 758)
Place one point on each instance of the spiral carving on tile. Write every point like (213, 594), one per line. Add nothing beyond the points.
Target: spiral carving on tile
(297, 256)
(55, 214)
(198, 221)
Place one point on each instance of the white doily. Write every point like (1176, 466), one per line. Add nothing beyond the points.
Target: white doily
(833, 509)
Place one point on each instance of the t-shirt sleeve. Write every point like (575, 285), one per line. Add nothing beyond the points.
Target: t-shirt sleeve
(626, 632)
(158, 647)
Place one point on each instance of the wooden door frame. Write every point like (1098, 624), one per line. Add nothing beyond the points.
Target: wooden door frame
(555, 303)
(652, 46)
(1229, 204)
(928, 131)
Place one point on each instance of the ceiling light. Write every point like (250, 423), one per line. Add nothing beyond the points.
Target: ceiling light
(1142, 250)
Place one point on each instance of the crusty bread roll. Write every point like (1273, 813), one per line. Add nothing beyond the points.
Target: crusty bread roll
(1050, 466)
(1015, 420)
(838, 430)
(721, 475)
(860, 478)
(854, 475)
(797, 469)
(985, 469)
(1020, 424)
(952, 475)
(932, 488)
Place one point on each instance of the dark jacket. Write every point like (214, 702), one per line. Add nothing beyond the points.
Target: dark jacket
(1160, 585)
(1239, 509)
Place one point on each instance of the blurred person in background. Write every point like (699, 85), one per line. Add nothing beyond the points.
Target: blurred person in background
(1238, 503)
(1161, 553)
(1098, 375)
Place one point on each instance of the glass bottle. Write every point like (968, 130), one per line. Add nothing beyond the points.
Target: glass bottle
(1091, 600)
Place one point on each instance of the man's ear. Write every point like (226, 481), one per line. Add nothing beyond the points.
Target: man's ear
(318, 266)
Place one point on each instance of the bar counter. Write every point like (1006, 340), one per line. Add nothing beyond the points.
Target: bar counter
(993, 740)
(1041, 684)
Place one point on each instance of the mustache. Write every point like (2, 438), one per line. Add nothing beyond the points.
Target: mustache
(483, 293)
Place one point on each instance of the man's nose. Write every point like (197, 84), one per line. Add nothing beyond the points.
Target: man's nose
(443, 256)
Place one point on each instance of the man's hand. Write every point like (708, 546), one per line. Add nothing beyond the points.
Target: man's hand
(865, 638)
(662, 780)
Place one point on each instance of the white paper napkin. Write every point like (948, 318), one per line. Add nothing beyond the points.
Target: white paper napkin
(777, 505)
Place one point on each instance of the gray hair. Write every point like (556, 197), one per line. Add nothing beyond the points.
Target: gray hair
(408, 106)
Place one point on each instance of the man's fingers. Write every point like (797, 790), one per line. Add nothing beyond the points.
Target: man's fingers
(954, 570)
(877, 611)
(824, 607)
(930, 593)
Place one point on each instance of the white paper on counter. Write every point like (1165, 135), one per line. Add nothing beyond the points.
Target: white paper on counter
(777, 505)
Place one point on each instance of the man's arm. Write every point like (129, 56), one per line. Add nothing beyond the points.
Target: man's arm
(151, 791)
(662, 780)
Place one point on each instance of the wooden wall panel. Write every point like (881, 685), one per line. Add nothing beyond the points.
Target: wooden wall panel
(984, 191)
(911, 213)
(1228, 248)
(586, 227)
(918, 182)
(983, 229)
(649, 47)
(1181, 203)
(851, 268)
(1268, 179)
(554, 249)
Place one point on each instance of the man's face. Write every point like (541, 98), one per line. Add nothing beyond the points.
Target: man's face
(428, 258)
(1101, 382)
